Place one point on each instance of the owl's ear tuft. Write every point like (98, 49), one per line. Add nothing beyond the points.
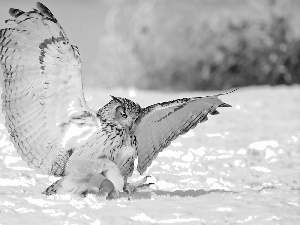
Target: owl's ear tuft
(117, 99)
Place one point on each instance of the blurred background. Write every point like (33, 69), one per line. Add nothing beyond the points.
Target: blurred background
(239, 167)
(180, 44)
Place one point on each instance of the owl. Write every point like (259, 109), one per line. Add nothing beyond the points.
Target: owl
(54, 130)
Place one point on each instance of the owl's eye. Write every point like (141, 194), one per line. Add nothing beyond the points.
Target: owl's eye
(121, 112)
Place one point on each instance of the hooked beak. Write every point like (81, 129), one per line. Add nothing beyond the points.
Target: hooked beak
(130, 126)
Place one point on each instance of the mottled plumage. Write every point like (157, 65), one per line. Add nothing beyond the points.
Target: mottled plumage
(55, 131)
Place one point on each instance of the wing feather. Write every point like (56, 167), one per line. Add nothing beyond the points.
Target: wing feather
(163, 122)
(42, 89)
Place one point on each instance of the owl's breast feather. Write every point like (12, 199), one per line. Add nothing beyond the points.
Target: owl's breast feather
(127, 150)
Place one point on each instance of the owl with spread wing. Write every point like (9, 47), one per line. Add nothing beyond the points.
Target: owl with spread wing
(55, 131)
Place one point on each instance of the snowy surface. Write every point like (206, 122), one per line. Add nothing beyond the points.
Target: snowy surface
(239, 167)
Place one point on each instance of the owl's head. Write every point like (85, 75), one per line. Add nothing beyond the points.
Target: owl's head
(121, 112)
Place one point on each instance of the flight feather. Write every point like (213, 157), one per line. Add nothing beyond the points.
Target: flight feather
(42, 89)
(161, 123)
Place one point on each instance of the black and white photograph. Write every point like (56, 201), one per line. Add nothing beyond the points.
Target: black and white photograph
(150, 112)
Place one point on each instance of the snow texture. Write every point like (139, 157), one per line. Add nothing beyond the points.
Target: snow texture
(239, 167)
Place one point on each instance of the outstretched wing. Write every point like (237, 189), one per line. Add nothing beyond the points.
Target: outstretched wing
(163, 122)
(42, 90)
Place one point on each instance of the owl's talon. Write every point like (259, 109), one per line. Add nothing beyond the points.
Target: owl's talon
(130, 189)
(144, 186)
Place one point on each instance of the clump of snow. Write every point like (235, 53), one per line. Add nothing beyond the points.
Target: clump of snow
(176, 144)
(211, 157)
(221, 209)
(170, 153)
(261, 169)
(269, 154)
(238, 163)
(142, 217)
(166, 167)
(214, 135)
(241, 152)
(11, 159)
(295, 139)
(17, 182)
(163, 185)
(181, 164)
(189, 157)
(261, 145)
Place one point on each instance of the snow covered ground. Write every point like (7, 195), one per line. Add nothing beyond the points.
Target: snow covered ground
(239, 167)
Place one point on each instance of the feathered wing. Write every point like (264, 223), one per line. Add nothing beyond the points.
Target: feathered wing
(163, 122)
(42, 90)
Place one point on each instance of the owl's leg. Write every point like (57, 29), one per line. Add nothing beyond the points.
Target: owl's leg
(86, 175)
